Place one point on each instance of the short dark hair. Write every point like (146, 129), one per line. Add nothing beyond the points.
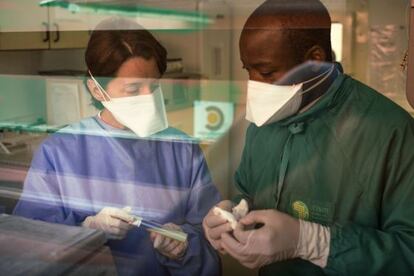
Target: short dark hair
(301, 40)
(116, 40)
(305, 23)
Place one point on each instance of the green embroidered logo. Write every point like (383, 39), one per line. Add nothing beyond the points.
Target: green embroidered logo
(300, 210)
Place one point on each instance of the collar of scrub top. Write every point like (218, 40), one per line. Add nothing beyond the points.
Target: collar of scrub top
(330, 98)
(113, 131)
(316, 76)
(308, 71)
(107, 126)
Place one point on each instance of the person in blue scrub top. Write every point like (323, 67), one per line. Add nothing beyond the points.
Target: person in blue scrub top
(126, 161)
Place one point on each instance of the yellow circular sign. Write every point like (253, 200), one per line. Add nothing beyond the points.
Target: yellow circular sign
(212, 118)
(215, 118)
(300, 210)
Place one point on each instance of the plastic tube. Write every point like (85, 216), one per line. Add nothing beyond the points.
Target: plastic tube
(158, 228)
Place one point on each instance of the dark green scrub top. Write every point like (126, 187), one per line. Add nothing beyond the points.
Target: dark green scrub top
(348, 163)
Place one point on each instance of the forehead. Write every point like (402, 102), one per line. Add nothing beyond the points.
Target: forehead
(138, 67)
(257, 38)
(263, 46)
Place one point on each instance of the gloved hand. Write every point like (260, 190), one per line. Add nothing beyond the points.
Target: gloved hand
(276, 240)
(113, 221)
(214, 226)
(170, 248)
(280, 238)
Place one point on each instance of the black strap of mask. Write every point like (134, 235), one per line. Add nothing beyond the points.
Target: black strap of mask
(314, 71)
(318, 91)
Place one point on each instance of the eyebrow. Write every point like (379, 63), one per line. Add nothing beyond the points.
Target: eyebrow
(259, 64)
(141, 82)
(262, 64)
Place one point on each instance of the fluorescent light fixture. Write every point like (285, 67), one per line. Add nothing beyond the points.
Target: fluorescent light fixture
(155, 18)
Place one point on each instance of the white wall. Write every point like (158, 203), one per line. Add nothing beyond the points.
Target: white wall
(182, 45)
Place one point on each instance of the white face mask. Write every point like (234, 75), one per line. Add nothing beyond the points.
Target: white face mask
(143, 114)
(269, 103)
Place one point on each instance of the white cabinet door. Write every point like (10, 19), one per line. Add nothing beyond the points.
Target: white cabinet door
(67, 29)
(23, 25)
(26, 25)
(22, 16)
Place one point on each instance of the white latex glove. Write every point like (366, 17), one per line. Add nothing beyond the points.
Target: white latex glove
(214, 225)
(237, 213)
(280, 238)
(276, 240)
(170, 248)
(113, 221)
(314, 243)
(241, 210)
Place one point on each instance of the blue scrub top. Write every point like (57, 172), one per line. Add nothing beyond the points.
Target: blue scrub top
(90, 165)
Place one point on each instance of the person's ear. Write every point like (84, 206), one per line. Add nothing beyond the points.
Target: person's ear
(94, 90)
(316, 53)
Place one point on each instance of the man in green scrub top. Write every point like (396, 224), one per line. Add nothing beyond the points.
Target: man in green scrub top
(328, 163)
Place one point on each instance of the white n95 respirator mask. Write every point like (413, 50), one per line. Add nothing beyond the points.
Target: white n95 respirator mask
(269, 103)
(145, 115)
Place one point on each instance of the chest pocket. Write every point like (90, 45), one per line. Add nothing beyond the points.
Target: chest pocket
(305, 208)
